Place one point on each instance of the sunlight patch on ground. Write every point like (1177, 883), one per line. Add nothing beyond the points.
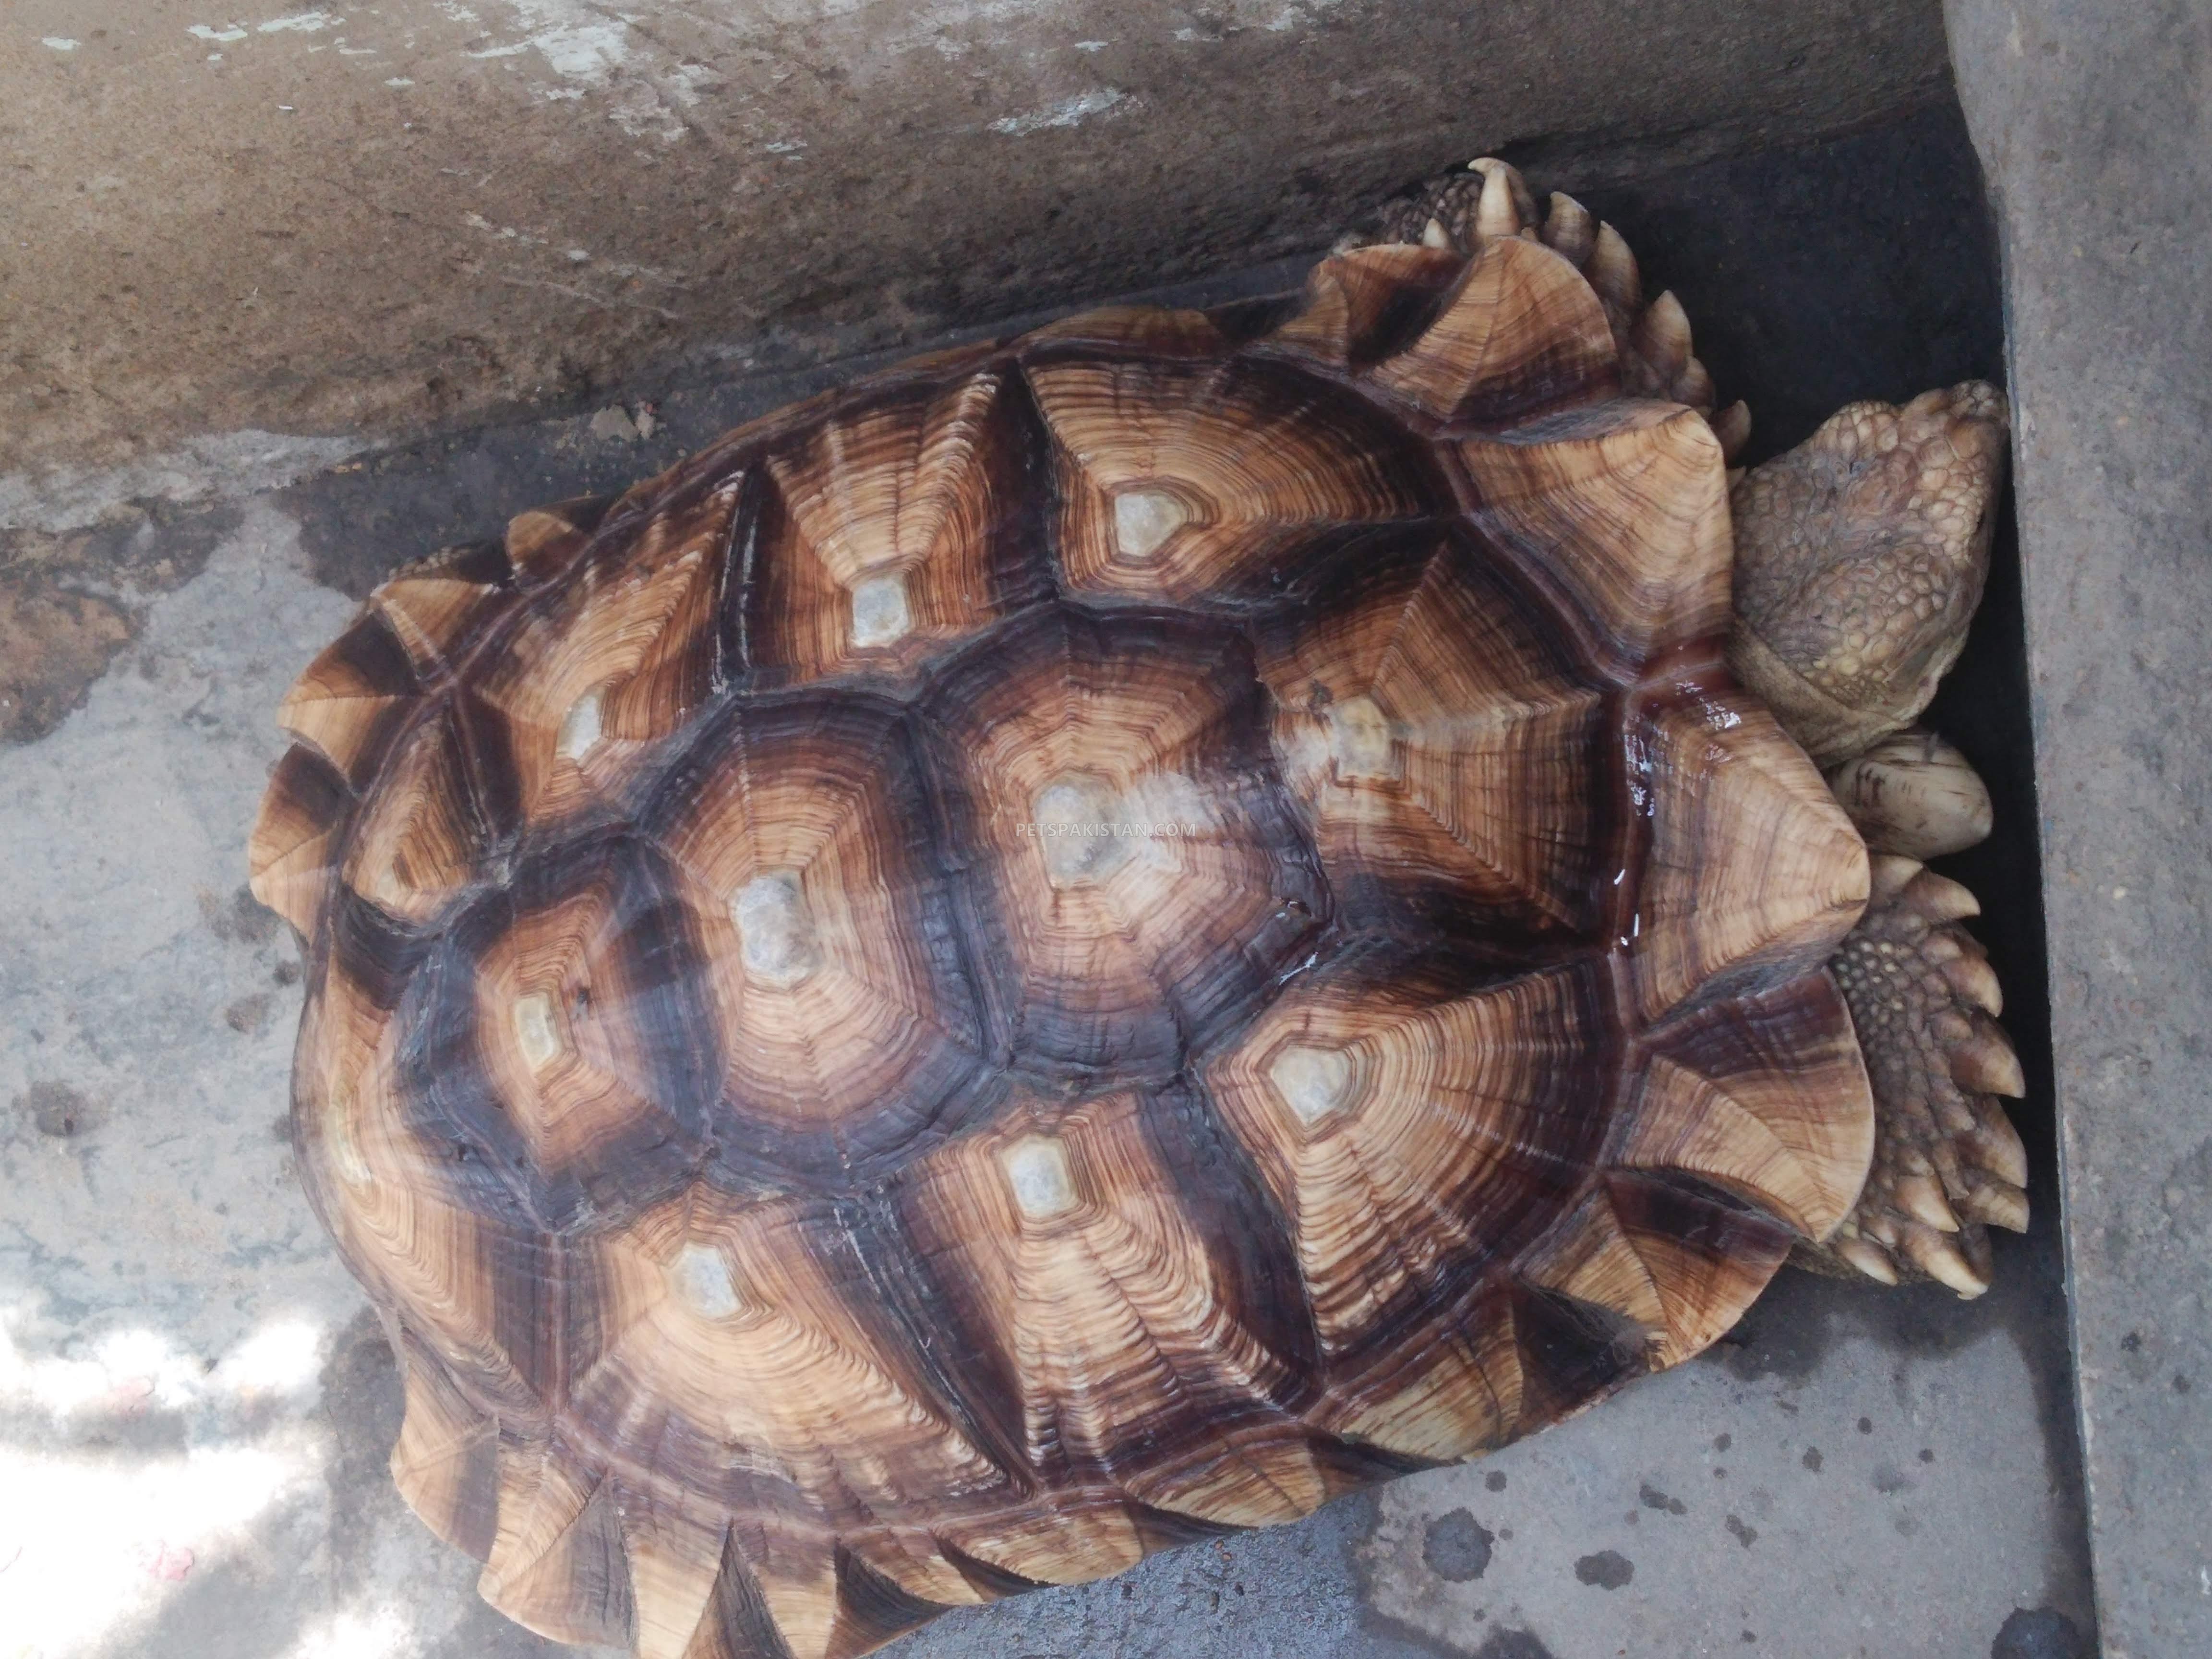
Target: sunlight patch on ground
(90, 1539)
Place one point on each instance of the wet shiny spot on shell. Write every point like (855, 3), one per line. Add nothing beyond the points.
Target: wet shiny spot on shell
(880, 613)
(775, 929)
(536, 1030)
(1037, 1172)
(1142, 520)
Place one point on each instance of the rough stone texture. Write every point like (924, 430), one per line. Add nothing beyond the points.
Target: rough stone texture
(422, 211)
(195, 1410)
(2095, 123)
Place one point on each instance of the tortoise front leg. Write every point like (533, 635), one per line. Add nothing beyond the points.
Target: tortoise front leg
(1947, 1165)
(1860, 558)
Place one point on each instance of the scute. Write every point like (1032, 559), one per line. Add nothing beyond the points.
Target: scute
(1093, 940)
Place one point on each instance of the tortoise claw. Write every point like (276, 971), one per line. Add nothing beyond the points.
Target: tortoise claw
(1948, 1163)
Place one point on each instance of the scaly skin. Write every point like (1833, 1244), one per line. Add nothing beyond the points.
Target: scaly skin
(1860, 556)
(1860, 559)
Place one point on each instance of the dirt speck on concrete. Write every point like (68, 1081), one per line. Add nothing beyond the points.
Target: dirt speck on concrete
(57, 1111)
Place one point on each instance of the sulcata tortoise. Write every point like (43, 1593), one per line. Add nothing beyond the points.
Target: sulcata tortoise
(1102, 937)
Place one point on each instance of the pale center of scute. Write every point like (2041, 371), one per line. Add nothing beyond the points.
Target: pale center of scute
(580, 728)
(1036, 1170)
(879, 609)
(1313, 1082)
(700, 1275)
(1143, 520)
(535, 1030)
(1359, 739)
(775, 929)
(1079, 824)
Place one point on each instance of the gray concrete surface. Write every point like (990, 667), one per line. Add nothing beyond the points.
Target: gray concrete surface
(195, 1406)
(335, 217)
(2095, 123)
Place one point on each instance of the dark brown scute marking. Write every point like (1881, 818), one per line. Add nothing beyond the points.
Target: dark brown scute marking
(368, 655)
(921, 1323)
(1286, 595)
(739, 1613)
(481, 562)
(373, 654)
(1571, 1353)
(527, 1272)
(1697, 1214)
(468, 1516)
(495, 786)
(319, 792)
(374, 950)
(873, 1608)
(1164, 1529)
(598, 1572)
(757, 500)
(917, 1272)
(1247, 1235)
(1353, 1465)
(1241, 321)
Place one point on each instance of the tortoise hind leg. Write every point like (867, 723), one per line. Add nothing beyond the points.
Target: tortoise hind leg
(1947, 1165)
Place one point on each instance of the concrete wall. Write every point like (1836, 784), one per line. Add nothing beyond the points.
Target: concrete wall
(390, 216)
(2094, 124)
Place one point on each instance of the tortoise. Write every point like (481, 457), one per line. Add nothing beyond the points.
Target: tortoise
(1104, 936)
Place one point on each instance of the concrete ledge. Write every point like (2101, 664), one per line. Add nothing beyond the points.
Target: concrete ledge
(2095, 124)
(425, 213)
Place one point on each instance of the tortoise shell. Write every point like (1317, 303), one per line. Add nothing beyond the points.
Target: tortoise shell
(1093, 940)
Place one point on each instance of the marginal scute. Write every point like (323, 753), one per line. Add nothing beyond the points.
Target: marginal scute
(435, 616)
(419, 839)
(1747, 1095)
(289, 856)
(675, 1558)
(557, 1566)
(446, 1460)
(1362, 305)
(899, 527)
(541, 543)
(600, 669)
(1626, 504)
(1520, 337)
(1590, 1258)
(1454, 1396)
(1707, 1259)
(1753, 871)
(347, 702)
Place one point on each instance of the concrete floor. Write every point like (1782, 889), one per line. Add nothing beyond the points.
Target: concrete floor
(195, 1406)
